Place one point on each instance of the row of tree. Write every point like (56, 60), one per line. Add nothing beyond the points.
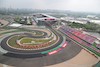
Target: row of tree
(88, 26)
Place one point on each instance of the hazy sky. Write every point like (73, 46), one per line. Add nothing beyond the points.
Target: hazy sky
(73, 5)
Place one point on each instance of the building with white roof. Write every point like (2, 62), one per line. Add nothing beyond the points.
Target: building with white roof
(15, 25)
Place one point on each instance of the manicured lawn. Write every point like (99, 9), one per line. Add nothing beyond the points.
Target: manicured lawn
(26, 40)
(12, 41)
(32, 41)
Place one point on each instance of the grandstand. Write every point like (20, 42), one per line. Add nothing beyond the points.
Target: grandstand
(87, 41)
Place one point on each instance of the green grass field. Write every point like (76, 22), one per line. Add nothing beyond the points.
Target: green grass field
(32, 41)
(12, 41)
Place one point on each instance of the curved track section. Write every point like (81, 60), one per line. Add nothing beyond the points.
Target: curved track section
(32, 44)
(14, 50)
(66, 54)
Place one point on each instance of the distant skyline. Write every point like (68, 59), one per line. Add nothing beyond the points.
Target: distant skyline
(72, 5)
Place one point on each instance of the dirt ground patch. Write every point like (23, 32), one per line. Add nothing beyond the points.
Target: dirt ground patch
(83, 59)
(3, 23)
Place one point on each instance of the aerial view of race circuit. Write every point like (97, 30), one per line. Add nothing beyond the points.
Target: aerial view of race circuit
(48, 38)
(44, 39)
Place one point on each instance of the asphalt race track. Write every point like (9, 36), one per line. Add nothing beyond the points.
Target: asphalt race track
(20, 58)
(27, 53)
(67, 53)
(34, 58)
